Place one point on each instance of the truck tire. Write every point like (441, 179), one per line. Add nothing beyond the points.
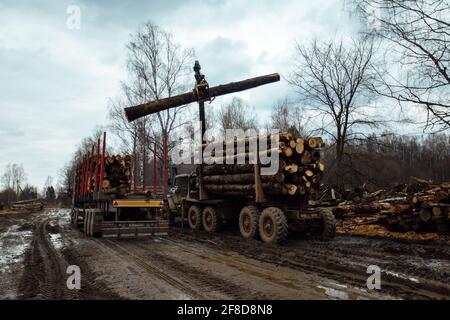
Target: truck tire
(87, 220)
(194, 217)
(248, 222)
(329, 224)
(210, 220)
(273, 227)
(95, 225)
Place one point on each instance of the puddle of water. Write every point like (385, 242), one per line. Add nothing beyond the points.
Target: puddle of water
(56, 240)
(61, 217)
(402, 276)
(13, 245)
(334, 293)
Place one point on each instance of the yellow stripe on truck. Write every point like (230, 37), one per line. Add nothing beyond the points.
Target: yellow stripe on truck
(136, 204)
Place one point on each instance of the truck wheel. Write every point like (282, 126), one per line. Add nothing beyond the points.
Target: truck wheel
(329, 224)
(194, 218)
(273, 227)
(87, 216)
(210, 220)
(248, 222)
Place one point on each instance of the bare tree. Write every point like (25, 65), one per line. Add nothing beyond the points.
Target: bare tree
(237, 115)
(419, 31)
(7, 177)
(13, 177)
(157, 68)
(285, 116)
(332, 80)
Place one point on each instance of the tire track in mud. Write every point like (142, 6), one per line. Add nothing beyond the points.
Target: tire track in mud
(44, 274)
(151, 269)
(201, 278)
(347, 267)
(239, 264)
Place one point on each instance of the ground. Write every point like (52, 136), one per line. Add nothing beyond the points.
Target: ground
(37, 248)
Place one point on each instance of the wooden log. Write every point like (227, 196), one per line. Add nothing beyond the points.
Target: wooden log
(292, 189)
(321, 167)
(246, 156)
(425, 215)
(135, 112)
(241, 178)
(402, 208)
(301, 189)
(437, 211)
(227, 169)
(248, 189)
(287, 152)
(315, 155)
(291, 168)
(364, 208)
(306, 157)
(316, 178)
(300, 145)
(106, 184)
(309, 173)
(312, 142)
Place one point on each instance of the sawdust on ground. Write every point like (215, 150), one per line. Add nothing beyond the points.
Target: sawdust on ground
(380, 231)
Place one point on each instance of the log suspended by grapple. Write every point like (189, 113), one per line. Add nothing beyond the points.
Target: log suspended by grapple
(136, 112)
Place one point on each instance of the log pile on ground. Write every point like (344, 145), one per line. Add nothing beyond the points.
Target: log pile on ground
(424, 211)
(116, 178)
(33, 205)
(299, 173)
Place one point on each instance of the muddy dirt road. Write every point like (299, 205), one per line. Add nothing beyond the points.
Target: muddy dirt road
(36, 250)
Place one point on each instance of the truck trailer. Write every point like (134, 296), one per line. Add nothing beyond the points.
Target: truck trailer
(103, 204)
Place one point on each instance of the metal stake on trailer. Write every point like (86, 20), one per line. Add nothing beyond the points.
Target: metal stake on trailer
(154, 170)
(144, 164)
(102, 164)
(90, 170)
(165, 175)
(134, 172)
(97, 158)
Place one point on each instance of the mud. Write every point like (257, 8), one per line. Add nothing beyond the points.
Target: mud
(37, 248)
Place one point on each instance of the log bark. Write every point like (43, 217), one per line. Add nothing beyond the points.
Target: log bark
(243, 178)
(227, 169)
(136, 112)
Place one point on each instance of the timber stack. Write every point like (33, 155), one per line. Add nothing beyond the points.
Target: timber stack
(116, 178)
(33, 205)
(299, 172)
(116, 175)
(424, 211)
(428, 210)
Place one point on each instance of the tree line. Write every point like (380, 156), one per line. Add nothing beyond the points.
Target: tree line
(14, 187)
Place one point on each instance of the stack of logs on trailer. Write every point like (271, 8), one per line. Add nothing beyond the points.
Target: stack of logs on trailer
(116, 178)
(116, 175)
(299, 172)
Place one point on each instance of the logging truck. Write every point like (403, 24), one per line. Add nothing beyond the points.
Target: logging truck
(268, 221)
(103, 204)
(265, 206)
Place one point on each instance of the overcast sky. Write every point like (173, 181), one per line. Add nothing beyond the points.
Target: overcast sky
(55, 82)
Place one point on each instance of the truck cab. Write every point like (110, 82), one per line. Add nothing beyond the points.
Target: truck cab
(178, 192)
